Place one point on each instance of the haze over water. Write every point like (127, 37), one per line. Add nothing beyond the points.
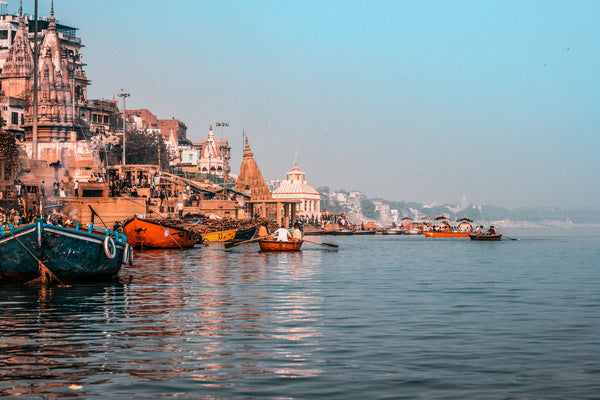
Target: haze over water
(385, 317)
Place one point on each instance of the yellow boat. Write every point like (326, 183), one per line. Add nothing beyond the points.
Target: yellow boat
(219, 236)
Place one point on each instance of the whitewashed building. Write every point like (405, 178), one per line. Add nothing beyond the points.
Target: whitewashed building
(296, 188)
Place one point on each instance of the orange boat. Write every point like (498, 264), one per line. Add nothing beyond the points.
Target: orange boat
(276, 245)
(153, 234)
(435, 234)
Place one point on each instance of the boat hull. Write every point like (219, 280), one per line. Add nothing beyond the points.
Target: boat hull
(219, 236)
(276, 245)
(483, 236)
(143, 233)
(433, 234)
(71, 255)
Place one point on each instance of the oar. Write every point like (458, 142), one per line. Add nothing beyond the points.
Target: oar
(335, 246)
(508, 237)
(233, 244)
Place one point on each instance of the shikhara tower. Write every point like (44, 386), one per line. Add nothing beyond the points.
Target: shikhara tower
(61, 91)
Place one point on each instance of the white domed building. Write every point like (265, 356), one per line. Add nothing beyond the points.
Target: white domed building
(296, 188)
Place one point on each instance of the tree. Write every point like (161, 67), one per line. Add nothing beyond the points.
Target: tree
(143, 148)
(368, 209)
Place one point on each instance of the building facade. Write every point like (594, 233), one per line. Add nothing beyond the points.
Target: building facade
(296, 188)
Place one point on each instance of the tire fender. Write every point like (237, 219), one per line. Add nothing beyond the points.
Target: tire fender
(110, 249)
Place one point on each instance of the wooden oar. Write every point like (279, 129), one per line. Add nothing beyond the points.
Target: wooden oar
(508, 237)
(335, 246)
(233, 244)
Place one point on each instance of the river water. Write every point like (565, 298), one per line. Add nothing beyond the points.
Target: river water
(385, 317)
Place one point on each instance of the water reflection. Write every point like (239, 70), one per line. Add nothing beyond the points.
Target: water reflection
(206, 314)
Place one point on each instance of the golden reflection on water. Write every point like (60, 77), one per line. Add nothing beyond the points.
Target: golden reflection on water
(206, 314)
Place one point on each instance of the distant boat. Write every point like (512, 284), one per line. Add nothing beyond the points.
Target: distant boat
(154, 234)
(276, 245)
(436, 234)
(68, 254)
(484, 236)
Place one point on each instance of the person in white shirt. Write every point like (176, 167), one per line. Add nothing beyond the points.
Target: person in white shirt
(179, 208)
(282, 234)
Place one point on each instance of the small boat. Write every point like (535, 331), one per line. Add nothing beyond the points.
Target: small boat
(342, 232)
(484, 236)
(437, 234)
(310, 230)
(241, 235)
(153, 234)
(40, 248)
(219, 236)
(365, 232)
(276, 245)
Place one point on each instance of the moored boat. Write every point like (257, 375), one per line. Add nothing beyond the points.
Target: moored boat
(68, 254)
(277, 245)
(436, 234)
(485, 236)
(152, 234)
(241, 235)
(219, 236)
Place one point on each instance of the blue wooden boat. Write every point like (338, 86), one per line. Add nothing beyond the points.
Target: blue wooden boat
(80, 254)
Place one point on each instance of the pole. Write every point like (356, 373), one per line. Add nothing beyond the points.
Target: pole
(124, 95)
(222, 125)
(35, 84)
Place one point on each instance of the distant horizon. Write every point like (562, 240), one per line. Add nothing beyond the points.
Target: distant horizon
(497, 100)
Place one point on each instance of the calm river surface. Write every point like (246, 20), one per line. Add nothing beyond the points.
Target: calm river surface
(385, 317)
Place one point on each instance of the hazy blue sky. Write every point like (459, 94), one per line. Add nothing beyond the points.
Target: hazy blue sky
(406, 100)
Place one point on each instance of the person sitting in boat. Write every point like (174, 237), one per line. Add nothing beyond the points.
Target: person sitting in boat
(263, 230)
(282, 234)
(491, 231)
(479, 230)
(296, 233)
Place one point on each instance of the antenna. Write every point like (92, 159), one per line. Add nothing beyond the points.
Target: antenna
(296, 156)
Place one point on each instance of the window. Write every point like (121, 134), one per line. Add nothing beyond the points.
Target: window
(3, 34)
(14, 118)
(106, 119)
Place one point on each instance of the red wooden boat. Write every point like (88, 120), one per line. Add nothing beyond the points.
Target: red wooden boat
(435, 234)
(153, 234)
(484, 236)
(276, 245)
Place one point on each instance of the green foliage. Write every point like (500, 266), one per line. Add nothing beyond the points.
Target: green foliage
(142, 148)
(368, 208)
(9, 148)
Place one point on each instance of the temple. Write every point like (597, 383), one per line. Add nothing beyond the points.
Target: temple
(296, 188)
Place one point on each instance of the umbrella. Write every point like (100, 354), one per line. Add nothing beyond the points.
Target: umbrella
(464, 219)
(440, 217)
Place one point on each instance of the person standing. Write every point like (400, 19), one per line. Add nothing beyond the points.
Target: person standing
(179, 208)
(43, 190)
(76, 188)
(19, 188)
(55, 186)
